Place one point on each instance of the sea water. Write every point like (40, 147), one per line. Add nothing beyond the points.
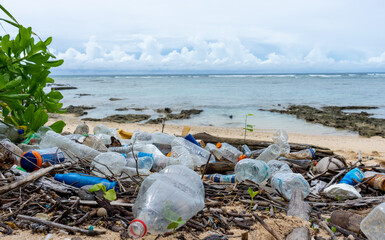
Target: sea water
(227, 99)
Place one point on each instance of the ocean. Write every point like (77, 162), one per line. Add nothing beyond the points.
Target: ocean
(227, 99)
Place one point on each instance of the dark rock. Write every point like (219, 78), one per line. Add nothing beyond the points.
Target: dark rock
(78, 110)
(333, 116)
(83, 94)
(115, 99)
(184, 114)
(121, 109)
(164, 110)
(63, 88)
(121, 118)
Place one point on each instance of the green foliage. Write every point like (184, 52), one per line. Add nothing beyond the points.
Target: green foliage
(173, 217)
(24, 68)
(252, 195)
(247, 127)
(110, 195)
(333, 229)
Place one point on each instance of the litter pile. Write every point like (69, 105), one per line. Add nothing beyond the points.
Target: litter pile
(188, 187)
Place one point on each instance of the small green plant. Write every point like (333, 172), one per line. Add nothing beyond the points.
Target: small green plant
(247, 127)
(327, 219)
(333, 229)
(338, 199)
(173, 217)
(110, 195)
(252, 195)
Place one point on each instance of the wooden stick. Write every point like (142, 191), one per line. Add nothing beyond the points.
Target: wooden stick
(31, 177)
(326, 227)
(58, 225)
(267, 227)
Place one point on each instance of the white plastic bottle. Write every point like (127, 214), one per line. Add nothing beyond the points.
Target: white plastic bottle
(163, 197)
(53, 139)
(250, 169)
(276, 166)
(286, 183)
(271, 152)
(200, 153)
(373, 225)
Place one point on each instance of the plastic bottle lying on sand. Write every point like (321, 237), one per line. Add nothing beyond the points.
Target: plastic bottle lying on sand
(33, 160)
(144, 161)
(200, 154)
(280, 138)
(108, 164)
(212, 148)
(373, 225)
(342, 191)
(303, 154)
(229, 152)
(53, 139)
(286, 183)
(254, 170)
(219, 178)
(353, 177)
(163, 197)
(270, 153)
(276, 166)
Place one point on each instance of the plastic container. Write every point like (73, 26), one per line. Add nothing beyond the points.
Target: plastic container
(355, 174)
(122, 149)
(37, 157)
(219, 178)
(144, 161)
(174, 192)
(108, 164)
(214, 150)
(286, 183)
(303, 154)
(190, 138)
(101, 128)
(53, 139)
(254, 170)
(200, 154)
(276, 166)
(8, 132)
(246, 150)
(80, 180)
(280, 138)
(342, 191)
(270, 153)
(373, 225)
(229, 152)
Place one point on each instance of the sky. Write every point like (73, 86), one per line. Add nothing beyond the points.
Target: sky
(208, 36)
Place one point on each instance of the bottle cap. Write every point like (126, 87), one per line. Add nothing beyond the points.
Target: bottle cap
(31, 161)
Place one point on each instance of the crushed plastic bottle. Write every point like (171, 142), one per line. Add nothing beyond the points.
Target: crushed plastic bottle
(200, 154)
(145, 161)
(373, 225)
(303, 154)
(174, 192)
(354, 174)
(342, 191)
(276, 166)
(286, 183)
(80, 180)
(161, 140)
(253, 170)
(270, 153)
(108, 164)
(53, 139)
(280, 138)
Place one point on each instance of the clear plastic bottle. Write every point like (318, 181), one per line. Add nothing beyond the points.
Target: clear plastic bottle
(8, 132)
(270, 153)
(246, 150)
(250, 169)
(214, 150)
(163, 197)
(53, 139)
(101, 128)
(280, 138)
(122, 149)
(183, 157)
(201, 154)
(276, 166)
(144, 162)
(108, 164)
(373, 225)
(303, 154)
(286, 183)
(229, 152)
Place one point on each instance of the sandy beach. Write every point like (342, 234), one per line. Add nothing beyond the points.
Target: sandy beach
(372, 149)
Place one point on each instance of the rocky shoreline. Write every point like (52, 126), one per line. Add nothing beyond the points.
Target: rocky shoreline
(334, 116)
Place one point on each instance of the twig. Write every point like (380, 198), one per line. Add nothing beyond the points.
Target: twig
(58, 225)
(326, 227)
(267, 227)
(207, 164)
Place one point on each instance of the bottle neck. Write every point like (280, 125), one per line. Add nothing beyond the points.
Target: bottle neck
(137, 228)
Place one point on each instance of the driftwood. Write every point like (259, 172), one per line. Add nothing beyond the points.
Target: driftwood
(346, 220)
(58, 225)
(298, 208)
(267, 227)
(218, 167)
(31, 177)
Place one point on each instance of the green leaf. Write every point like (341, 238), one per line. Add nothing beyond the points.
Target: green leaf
(252, 193)
(8, 14)
(250, 114)
(97, 187)
(39, 119)
(110, 195)
(58, 126)
(250, 129)
(15, 82)
(170, 214)
(55, 63)
(249, 126)
(172, 225)
(333, 229)
(28, 113)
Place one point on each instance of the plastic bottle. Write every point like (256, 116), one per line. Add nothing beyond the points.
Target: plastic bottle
(101, 128)
(280, 138)
(80, 180)
(214, 150)
(122, 149)
(144, 161)
(270, 153)
(219, 178)
(174, 192)
(373, 225)
(108, 164)
(249, 169)
(276, 166)
(183, 157)
(246, 150)
(229, 152)
(33, 160)
(8, 132)
(303, 154)
(286, 183)
(161, 140)
(53, 139)
(199, 152)
(354, 174)
(190, 138)
(342, 191)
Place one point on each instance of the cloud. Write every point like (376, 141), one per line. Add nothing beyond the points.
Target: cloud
(145, 53)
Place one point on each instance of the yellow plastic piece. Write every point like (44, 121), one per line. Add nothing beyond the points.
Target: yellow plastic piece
(185, 131)
(124, 135)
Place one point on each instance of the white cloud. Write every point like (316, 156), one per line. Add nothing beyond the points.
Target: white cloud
(377, 60)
